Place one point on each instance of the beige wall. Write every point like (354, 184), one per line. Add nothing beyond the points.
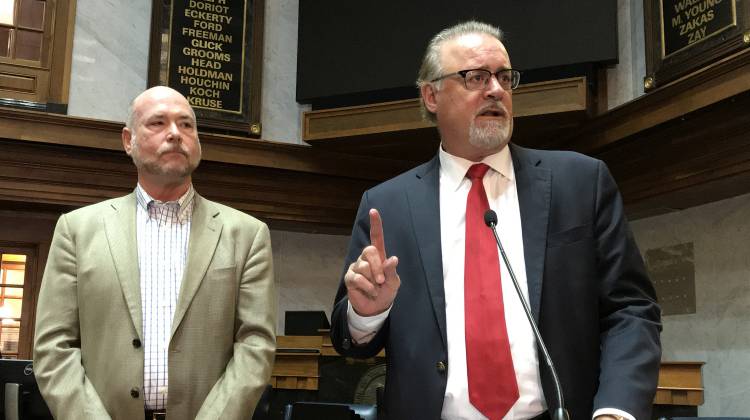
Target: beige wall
(308, 268)
(718, 332)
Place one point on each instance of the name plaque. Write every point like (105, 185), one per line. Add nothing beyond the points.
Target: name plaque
(684, 36)
(209, 50)
(687, 22)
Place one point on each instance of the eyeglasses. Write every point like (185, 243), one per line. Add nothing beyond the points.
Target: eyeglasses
(479, 79)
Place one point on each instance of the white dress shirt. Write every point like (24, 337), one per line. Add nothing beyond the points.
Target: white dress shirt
(162, 232)
(500, 185)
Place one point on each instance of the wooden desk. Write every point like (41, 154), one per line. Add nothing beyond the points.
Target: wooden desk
(680, 383)
(296, 365)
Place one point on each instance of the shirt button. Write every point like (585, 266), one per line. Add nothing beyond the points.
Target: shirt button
(136, 343)
(442, 366)
(135, 392)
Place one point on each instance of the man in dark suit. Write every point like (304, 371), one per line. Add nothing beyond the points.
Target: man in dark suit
(423, 278)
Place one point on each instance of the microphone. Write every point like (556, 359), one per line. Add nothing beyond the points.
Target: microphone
(490, 219)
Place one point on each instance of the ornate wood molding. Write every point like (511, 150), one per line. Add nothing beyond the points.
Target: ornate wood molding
(66, 177)
(682, 144)
(40, 127)
(397, 128)
(67, 162)
(566, 95)
(710, 85)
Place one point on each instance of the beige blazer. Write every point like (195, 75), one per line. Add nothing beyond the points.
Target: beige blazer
(87, 356)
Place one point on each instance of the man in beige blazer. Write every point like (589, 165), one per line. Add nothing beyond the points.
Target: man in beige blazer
(89, 340)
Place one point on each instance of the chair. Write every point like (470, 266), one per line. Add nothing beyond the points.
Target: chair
(329, 411)
(19, 394)
(264, 404)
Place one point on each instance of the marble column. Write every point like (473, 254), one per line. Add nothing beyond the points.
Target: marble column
(110, 57)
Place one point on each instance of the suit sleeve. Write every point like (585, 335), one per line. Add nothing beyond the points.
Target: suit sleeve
(239, 389)
(57, 353)
(340, 335)
(630, 319)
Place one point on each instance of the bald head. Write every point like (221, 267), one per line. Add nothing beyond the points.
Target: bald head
(155, 93)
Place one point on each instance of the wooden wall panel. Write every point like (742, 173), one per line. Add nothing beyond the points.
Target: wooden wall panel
(682, 145)
(66, 177)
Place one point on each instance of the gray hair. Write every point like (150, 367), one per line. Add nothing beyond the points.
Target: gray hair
(130, 121)
(431, 67)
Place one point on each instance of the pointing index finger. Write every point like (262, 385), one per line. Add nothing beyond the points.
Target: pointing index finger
(376, 233)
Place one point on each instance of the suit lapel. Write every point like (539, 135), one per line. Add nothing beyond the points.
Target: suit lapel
(424, 207)
(205, 231)
(119, 227)
(533, 184)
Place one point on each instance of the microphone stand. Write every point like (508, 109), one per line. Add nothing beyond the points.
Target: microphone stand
(560, 413)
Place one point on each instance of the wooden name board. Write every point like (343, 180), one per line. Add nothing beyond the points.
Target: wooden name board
(683, 36)
(687, 22)
(206, 53)
(210, 50)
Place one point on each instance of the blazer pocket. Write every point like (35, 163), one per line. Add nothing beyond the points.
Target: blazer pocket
(221, 273)
(569, 236)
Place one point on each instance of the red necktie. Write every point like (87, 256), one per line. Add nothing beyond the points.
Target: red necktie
(492, 380)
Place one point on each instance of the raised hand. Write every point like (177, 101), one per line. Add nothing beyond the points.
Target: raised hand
(372, 280)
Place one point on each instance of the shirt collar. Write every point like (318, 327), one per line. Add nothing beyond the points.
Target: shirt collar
(453, 168)
(185, 202)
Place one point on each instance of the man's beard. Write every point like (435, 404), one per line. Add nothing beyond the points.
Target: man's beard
(488, 135)
(154, 167)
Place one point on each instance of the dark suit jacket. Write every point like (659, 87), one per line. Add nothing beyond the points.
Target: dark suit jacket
(588, 288)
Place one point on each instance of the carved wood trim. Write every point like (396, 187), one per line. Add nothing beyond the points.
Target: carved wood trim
(551, 97)
(543, 98)
(62, 52)
(63, 162)
(723, 79)
(40, 127)
(366, 119)
(66, 177)
(681, 145)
